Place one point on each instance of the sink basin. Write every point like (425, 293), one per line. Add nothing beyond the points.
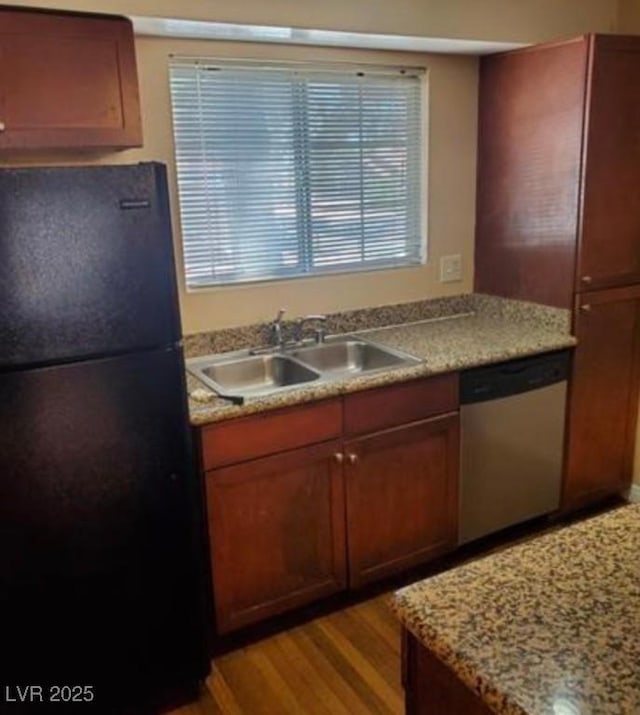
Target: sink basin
(255, 375)
(353, 356)
(243, 375)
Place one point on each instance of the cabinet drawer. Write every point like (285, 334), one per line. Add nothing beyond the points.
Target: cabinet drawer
(270, 432)
(407, 402)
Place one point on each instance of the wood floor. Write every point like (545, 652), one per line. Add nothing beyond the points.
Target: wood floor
(345, 663)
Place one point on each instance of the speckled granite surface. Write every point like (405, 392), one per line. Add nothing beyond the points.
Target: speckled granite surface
(466, 341)
(551, 627)
(456, 333)
(251, 336)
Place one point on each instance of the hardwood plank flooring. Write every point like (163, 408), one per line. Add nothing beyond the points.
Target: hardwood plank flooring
(344, 663)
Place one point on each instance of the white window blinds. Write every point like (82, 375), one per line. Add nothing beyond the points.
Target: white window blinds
(287, 172)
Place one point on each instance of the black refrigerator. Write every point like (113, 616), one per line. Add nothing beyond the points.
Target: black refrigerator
(102, 577)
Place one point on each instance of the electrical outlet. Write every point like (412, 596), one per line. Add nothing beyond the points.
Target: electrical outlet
(451, 268)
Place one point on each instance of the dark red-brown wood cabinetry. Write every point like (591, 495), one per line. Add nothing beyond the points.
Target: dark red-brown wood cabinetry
(558, 222)
(603, 395)
(67, 81)
(401, 476)
(307, 501)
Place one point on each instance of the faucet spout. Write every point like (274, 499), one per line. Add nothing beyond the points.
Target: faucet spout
(277, 338)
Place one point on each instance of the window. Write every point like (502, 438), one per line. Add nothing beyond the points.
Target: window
(287, 171)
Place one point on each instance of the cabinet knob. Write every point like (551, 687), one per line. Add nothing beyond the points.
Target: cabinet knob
(339, 457)
(353, 458)
(586, 308)
(586, 279)
(3, 126)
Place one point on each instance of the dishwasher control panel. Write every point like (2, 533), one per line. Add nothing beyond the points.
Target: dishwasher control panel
(514, 376)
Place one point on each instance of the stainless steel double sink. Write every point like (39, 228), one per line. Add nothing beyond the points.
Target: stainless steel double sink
(245, 374)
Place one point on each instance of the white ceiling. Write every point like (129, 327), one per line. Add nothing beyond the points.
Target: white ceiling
(196, 29)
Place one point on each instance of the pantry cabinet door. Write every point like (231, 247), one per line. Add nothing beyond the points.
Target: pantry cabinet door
(603, 396)
(609, 250)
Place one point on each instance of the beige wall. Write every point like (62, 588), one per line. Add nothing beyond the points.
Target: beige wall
(452, 155)
(504, 20)
(629, 17)
(452, 148)
(452, 130)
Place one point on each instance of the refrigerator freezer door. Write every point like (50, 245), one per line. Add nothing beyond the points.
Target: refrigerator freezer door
(86, 263)
(99, 584)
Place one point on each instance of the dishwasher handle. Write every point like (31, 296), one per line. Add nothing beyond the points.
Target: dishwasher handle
(513, 377)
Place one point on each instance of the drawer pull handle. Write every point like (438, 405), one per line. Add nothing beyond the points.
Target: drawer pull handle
(3, 126)
(586, 308)
(353, 458)
(587, 279)
(339, 457)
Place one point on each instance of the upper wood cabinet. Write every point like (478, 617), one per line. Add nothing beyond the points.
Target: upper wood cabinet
(67, 81)
(558, 206)
(609, 252)
(529, 146)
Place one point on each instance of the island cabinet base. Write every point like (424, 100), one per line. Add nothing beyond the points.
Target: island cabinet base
(431, 688)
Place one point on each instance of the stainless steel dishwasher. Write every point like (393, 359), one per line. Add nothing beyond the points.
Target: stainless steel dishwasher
(512, 436)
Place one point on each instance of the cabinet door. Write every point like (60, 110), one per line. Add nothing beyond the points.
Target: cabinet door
(67, 81)
(276, 527)
(603, 395)
(609, 252)
(530, 118)
(402, 497)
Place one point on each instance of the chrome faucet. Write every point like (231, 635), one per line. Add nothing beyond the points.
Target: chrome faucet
(275, 328)
(319, 333)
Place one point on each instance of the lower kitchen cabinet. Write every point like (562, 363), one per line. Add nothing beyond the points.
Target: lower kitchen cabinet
(305, 501)
(402, 497)
(603, 398)
(277, 535)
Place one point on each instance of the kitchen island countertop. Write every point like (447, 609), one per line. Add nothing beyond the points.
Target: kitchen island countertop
(482, 330)
(550, 627)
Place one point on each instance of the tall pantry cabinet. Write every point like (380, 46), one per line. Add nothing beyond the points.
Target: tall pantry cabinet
(558, 222)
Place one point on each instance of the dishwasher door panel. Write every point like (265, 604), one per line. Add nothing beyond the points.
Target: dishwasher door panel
(511, 459)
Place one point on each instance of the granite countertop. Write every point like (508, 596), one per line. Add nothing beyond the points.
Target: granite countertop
(551, 627)
(446, 334)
